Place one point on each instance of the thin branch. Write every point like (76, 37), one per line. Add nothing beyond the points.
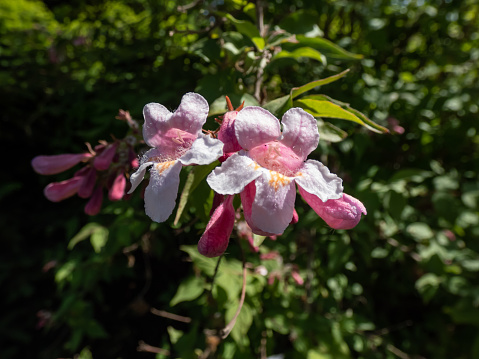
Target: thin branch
(400, 354)
(188, 6)
(162, 313)
(262, 349)
(143, 347)
(260, 17)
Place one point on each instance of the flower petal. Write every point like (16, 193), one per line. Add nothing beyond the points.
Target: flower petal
(192, 113)
(214, 240)
(161, 192)
(343, 213)
(300, 132)
(104, 159)
(234, 174)
(156, 123)
(93, 206)
(146, 160)
(315, 178)
(58, 191)
(204, 151)
(50, 165)
(117, 189)
(88, 184)
(254, 126)
(273, 205)
(247, 199)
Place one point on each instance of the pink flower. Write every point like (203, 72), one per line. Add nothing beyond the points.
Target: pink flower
(342, 213)
(177, 141)
(214, 240)
(103, 160)
(51, 165)
(93, 206)
(58, 191)
(117, 189)
(271, 162)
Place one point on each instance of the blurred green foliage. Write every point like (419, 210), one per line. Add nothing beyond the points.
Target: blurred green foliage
(403, 283)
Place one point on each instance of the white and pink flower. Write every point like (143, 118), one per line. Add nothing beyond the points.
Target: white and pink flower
(269, 165)
(177, 141)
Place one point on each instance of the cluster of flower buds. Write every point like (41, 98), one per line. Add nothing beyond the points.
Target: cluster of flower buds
(105, 167)
(262, 159)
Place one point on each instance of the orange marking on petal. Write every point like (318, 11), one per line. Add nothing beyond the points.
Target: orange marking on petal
(163, 166)
(254, 165)
(277, 180)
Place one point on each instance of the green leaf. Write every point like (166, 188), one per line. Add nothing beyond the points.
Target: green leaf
(296, 91)
(428, 285)
(279, 106)
(207, 265)
(329, 132)
(337, 109)
(196, 175)
(99, 238)
(219, 107)
(258, 240)
(327, 48)
(326, 109)
(302, 22)
(243, 322)
(174, 334)
(248, 29)
(85, 233)
(189, 289)
(420, 231)
(301, 52)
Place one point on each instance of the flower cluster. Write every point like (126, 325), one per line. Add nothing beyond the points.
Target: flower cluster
(105, 167)
(263, 161)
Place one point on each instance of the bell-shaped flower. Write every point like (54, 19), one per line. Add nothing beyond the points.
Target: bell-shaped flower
(342, 213)
(50, 165)
(177, 141)
(271, 162)
(214, 240)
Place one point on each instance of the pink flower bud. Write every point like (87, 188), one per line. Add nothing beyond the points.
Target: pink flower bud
(50, 165)
(342, 213)
(94, 204)
(214, 240)
(295, 217)
(58, 191)
(88, 183)
(297, 278)
(133, 159)
(104, 159)
(117, 189)
(226, 134)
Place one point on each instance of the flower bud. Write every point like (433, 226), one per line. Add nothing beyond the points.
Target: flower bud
(94, 204)
(117, 189)
(50, 165)
(58, 191)
(104, 159)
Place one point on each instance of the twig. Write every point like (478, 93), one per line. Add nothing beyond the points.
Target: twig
(400, 354)
(262, 349)
(162, 313)
(188, 6)
(262, 61)
(143, 347)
